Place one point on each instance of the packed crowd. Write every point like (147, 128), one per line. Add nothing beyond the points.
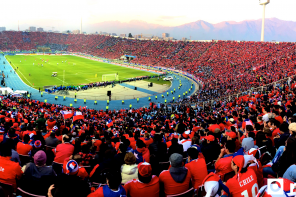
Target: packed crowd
(228, 150)
(225, 149)
(225, 67)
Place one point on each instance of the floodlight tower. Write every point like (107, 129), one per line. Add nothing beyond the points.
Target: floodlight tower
(264, 3)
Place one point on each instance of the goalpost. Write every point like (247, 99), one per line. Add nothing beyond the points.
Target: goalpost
(110, 77)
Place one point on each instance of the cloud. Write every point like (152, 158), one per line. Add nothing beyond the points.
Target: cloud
(170, 17)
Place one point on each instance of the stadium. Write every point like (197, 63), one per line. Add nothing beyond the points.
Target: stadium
(93, 115)
(88, 79)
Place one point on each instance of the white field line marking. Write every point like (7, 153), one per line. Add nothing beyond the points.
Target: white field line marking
(61, 80)
(21, 73)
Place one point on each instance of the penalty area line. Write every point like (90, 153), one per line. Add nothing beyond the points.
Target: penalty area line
(61, 80)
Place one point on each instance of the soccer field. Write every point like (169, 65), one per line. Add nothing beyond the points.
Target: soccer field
(77, 70)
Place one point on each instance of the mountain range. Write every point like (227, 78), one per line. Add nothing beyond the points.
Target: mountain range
(248, 30)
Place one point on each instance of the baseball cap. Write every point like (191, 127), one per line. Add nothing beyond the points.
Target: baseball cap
(231, 134)
(145, 169)
(37, 144)
(239, 160)
(186, 134)
(72, 167)
(211, 138)
(40, 158)
(176, 160)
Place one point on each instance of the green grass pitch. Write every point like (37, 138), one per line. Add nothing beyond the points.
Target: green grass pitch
(82, 72)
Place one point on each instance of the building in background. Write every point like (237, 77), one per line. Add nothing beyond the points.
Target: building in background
(147, 36)
(40, 29)
(184, 39)
(122, 35)
(32, 28)
(156, 38)
(137, 36)
(165, 35)
(2, 28)
(113, 34)
(169, 38)
(77, 31)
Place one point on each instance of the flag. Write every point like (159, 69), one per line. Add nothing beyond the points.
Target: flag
(77, 115)
(2, 129)
(109, 123)
(67, 114)
(72, 128)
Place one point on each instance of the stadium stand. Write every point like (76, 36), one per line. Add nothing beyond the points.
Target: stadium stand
(233, 144)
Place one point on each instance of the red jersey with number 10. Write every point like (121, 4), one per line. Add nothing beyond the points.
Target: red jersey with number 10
(244, 186)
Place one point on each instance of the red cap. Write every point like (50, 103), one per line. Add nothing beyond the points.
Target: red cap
(231, 134)
(152, 133)
(145, 169)
(211, 138)
(239, 160)
(15, 125)
(185, 135)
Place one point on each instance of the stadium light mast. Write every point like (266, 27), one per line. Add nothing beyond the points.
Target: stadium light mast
(264, 3)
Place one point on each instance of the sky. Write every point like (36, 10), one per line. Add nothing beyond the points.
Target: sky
(64, 15)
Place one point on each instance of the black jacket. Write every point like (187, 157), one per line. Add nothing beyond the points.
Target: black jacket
(210, 151)
(36, 179)
(69, 186)
(176, 148)
(282, 140)
(283, 164)
(159, 151)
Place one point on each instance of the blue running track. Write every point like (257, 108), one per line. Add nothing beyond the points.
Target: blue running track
(139, 89)
(13, 81)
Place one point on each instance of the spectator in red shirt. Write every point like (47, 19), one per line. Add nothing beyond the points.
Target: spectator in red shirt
(9, 171)
(233, 137)
(112, 189)
(177, 179)
(146, 184)
(141, 153)
(244, 181)
(50, 123)
(147, 140)
(24, 148)
(196, 166)
(62, 151)
(223, 163)
(214, 126)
